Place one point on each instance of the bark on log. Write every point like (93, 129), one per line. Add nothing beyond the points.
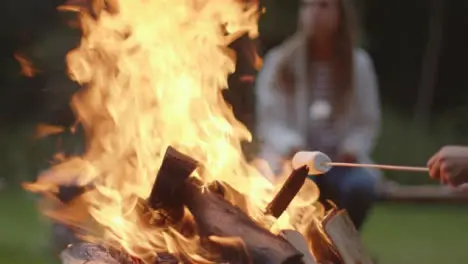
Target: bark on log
(227, 231)
(216, 217)
(87, 253)
(165, 195)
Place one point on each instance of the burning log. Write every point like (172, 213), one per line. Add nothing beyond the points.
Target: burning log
(87, 253)
(224, 229)
(345, 238)
(216, 217)
(93, 254)
(165, 195)
(299, 242)
(336, 240)
(319, 244)
(229, 233)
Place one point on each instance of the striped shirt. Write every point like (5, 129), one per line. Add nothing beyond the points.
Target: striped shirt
(321, 129)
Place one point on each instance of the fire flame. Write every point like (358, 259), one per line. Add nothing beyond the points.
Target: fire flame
(27, 68)
(152, 75)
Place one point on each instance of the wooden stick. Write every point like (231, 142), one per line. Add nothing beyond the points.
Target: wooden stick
(287, 193)
(379, 166)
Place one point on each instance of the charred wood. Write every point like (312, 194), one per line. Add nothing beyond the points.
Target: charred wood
(287, 193)
(217, 218)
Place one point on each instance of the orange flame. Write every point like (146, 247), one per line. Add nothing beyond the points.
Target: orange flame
(27, 68)
(43, 130)
(154, 73)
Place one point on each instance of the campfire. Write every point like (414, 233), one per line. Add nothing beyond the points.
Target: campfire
(163, 175)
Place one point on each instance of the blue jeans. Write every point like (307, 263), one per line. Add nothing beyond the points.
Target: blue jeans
(353, 189)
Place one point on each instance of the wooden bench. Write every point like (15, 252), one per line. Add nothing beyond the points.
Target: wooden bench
(422, 193)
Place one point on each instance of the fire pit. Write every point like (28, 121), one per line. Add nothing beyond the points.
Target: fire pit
(223, 229)
(153, 72)
(186, 204)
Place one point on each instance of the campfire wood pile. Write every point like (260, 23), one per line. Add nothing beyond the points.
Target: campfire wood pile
(336, 242)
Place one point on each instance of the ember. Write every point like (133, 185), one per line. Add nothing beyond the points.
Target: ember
(153, 72)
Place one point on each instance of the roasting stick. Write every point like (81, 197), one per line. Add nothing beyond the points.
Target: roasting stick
(379, 166)
(319, 163)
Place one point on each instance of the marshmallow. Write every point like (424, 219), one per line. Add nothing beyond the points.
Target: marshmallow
(316, 162)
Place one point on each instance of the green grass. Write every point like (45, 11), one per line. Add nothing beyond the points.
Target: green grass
(24, 234)
(395, 234)
(414, 233)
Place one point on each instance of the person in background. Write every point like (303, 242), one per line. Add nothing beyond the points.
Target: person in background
(450, 165)
(318, 91)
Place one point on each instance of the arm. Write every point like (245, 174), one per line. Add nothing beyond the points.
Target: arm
(366, 106)
(277, 139)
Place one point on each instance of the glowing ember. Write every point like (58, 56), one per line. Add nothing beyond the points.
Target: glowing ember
(27, 68)
(153, 73)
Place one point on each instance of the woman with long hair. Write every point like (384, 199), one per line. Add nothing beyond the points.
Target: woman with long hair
(318, 91)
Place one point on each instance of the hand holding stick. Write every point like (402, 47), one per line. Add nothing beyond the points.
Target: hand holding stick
(319, 163)
(450, 165)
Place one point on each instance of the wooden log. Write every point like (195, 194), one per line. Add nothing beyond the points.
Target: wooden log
(320, 246)
(345, 238)
(227, 231)
(229, 193)
(88, 253)
(216, 217)
(299, 242)
(164, 196)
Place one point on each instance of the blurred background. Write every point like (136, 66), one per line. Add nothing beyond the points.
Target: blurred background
(419, 49)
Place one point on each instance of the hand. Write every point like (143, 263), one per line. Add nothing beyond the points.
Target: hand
(347, 157)
(450, 165)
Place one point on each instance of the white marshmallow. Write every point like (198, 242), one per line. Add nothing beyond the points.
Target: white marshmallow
(316, 162)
